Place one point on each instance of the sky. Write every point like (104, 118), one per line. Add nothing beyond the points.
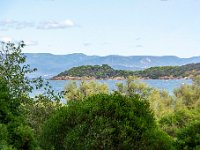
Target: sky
(103, 27)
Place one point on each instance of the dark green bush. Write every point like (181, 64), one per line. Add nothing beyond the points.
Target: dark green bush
(104, 122)
(14, 131)
(189, 137)
(23, 138)
(171, 123)
(3, 134)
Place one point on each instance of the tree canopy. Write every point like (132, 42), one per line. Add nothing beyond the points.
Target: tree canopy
(106, 72)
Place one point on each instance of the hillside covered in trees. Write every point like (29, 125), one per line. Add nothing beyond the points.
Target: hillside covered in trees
(54, 64)
(134, 116)
(107, 72)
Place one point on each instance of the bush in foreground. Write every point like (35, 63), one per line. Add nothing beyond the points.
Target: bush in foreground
(189, 137)
(172, 123)
(104, 122)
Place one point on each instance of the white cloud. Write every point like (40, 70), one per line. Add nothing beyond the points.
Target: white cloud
(56, 24)
(9, 23)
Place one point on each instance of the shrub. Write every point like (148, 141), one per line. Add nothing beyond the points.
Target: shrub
(84, 89)
(171, 123)
(188, 96)
(23, 137)
(3, 134)
(104, 122)
(189, 137)
(14, 132)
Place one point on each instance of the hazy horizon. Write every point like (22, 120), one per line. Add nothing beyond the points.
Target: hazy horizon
(125, 28)
(111, 55)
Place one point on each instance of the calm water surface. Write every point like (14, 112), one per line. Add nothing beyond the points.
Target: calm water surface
(169, 85)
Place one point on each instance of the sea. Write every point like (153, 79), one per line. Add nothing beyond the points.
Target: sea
(169, 85)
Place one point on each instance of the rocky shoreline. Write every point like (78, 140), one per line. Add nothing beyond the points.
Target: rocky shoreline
(85, 78)
(112, 78)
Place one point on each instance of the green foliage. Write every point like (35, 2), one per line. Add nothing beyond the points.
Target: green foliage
(5, 102)
(171, 123)
(13, 127)
(183, 122)
(134, 87)
(196, 80)
(105, 72)
(14, 89)
(85, 89)
(161, 103)
(19, 119)
(38, 111)
(157, 72)
(188, 70)
(93, 119)
(188, 96)
(189, 136)
(104, 122)
(96, 71)
(99, 72)
(13, 69)
(23, 137)
(3, 134)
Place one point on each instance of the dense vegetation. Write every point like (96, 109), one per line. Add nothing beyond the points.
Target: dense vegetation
(105, 72)
(135, 116)
(20, 116)
(105, 122)
(98, 72)
(188, 70)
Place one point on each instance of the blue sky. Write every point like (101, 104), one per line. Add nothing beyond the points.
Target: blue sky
(103, 27)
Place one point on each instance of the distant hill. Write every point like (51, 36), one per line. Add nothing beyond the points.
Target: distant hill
(49, 65)
(168, 72)
(107, 72)
(88, 71)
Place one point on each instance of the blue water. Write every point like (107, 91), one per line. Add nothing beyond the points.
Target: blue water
(169, 85)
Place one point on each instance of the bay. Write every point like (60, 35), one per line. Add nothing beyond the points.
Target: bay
(169, 85)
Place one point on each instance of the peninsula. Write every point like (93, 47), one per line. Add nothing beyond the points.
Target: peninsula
(89, 72)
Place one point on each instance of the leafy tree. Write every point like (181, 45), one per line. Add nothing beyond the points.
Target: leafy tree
(171, 123)
(14, 129)
(133, 86)
(104, 122)
(105, 71)
(188, 96)
(3, 135)
(161, 103)
(15, 87)
(85, 89)
(189, 136)
(38, 111)
(13, 69)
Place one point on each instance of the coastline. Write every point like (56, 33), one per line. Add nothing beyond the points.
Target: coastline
(115, 78)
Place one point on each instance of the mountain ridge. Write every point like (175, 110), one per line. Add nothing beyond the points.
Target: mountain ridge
(51, 64)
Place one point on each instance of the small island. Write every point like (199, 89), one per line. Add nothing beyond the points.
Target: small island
(105, 72)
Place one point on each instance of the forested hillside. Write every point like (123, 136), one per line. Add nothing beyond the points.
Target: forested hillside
(134, 116)
(105, 72)
(50, 64)
(188, 70)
